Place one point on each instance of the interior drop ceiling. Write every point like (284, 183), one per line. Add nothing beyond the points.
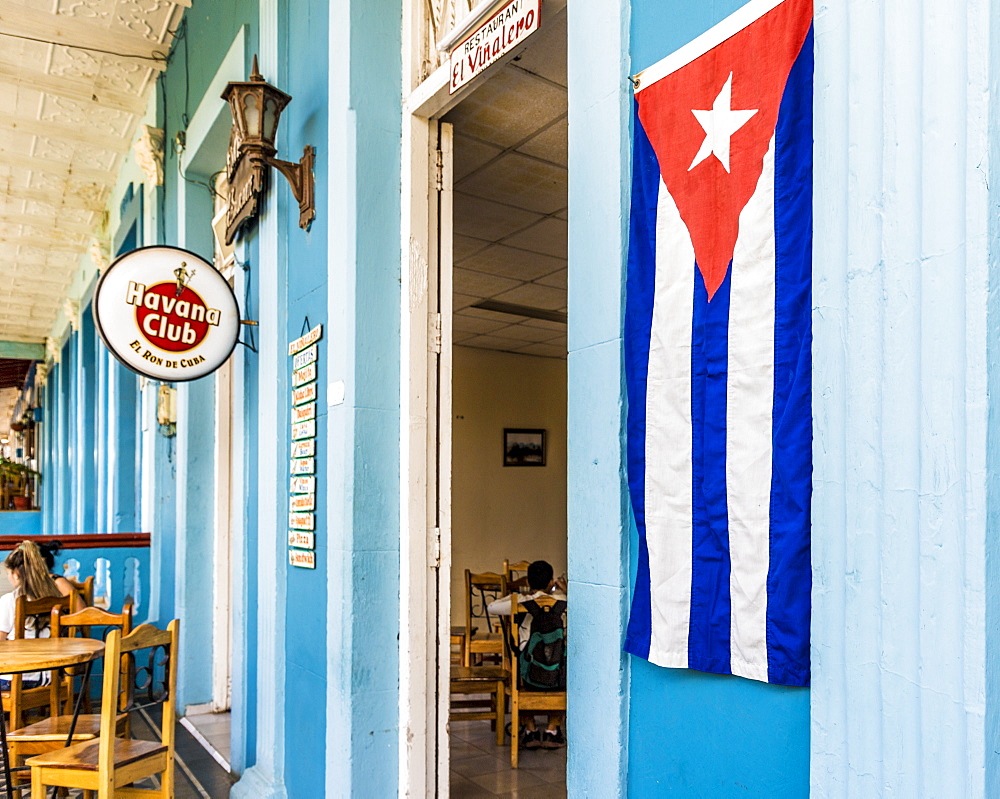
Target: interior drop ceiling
(510, 202)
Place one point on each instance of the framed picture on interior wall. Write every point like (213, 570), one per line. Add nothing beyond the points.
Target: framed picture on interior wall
(523, 447)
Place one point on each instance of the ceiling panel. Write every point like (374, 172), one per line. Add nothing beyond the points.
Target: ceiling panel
(510, 202)
(489, 221)
(510, 262)
(547, 237)
(520, 181)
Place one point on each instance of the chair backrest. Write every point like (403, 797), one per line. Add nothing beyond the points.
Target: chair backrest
(151, 655)
(516, 575)
(517, 608)
(83, 621)
(480, 590)
(38, 609)
(84, 590)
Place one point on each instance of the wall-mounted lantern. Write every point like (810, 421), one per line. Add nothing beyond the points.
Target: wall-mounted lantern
(256, 106)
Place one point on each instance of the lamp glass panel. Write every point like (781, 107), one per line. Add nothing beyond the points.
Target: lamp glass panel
(251, 112)
(272, 112)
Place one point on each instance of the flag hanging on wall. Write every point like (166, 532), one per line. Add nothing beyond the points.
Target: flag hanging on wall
(717, 348)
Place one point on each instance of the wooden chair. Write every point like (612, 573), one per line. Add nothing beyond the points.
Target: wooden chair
(480, 590)
(85, 622)
(108, 764)
(84, 592)
(528, 701)
(52, 733)
(516, 575)
(18, 700)
(490, 680)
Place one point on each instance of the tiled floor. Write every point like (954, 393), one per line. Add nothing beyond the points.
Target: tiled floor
(481, 770)
(197, 774)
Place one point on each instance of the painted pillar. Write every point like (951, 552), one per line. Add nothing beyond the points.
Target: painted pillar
(902, 260)
(598, 535)
(363, 215)
(87, 419)
(266, 534)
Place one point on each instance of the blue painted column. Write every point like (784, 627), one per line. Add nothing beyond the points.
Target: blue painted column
(87, 421)
(266, 537)
(363, 299)
(193, 557)
(598, 534)
(904, 556)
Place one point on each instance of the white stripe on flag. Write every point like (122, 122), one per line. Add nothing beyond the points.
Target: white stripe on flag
(668, 438)
(749, 407)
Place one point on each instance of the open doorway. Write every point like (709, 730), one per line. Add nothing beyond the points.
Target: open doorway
(507, 367)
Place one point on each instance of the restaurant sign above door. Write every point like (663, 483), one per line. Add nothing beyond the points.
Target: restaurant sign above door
(500, 33)
(166, 313)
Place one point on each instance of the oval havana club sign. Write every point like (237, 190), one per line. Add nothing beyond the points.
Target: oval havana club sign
(166, 313)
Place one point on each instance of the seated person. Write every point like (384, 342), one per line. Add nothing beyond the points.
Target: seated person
(49, 552)
(540, 583)
(27, 572)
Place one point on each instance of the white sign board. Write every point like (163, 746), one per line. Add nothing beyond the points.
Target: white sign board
(166, 313)
(496, 37)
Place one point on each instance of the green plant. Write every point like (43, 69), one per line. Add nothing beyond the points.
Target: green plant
(11, 470)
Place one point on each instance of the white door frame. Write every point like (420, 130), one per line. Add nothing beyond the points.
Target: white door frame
(425, 450)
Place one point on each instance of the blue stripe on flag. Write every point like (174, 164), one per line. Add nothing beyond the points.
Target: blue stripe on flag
(638, 320)
(789, 575)
(708, 643)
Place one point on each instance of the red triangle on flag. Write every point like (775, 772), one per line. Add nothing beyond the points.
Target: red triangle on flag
(710, 123)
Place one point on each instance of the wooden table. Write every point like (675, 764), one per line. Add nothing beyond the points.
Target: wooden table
(44, 654)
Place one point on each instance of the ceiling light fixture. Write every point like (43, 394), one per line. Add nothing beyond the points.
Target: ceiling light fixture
(521, 310)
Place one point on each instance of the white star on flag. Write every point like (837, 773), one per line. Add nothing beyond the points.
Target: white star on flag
(720, 124)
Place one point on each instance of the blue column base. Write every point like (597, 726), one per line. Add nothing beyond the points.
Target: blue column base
(257, 784)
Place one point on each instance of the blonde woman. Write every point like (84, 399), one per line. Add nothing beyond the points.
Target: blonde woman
(29, 574)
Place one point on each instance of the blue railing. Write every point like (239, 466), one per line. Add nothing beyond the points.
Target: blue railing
(119, 563)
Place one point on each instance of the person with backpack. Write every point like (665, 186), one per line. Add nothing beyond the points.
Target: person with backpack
(541, 640)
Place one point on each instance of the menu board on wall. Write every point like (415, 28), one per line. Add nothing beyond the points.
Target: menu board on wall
(304, 352)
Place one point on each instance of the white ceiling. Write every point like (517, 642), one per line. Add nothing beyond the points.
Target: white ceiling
(68, 113)
(510, 202)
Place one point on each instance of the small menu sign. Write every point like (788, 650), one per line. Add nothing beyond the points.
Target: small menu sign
(304, 352)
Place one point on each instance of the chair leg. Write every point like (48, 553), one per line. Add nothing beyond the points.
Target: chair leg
(501, 705)
(515, 733)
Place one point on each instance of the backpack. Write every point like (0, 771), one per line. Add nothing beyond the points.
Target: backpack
(543, 659)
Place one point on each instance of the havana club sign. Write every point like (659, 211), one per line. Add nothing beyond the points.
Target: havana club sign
(166, 313)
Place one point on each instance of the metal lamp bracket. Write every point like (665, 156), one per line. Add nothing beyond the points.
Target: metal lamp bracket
(303, 184)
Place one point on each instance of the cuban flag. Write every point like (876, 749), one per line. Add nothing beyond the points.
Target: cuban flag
(717, 349)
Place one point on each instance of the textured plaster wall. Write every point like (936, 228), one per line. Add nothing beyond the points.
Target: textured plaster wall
(902, 263)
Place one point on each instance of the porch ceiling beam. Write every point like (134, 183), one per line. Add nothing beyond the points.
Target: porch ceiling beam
(62, 226)
(80, 91)
(59, 168)
(69, 133)
(55, 201)
(68, 31)
(22, 350)
(42, 243)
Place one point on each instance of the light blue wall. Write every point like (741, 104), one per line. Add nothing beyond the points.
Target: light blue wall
(904, 555)
(309, 262)
(663, 732)
(597, 549)
(992, 614)
(27, 522)
(363, 433)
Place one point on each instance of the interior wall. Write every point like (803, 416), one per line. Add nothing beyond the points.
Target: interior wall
(498, 512)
